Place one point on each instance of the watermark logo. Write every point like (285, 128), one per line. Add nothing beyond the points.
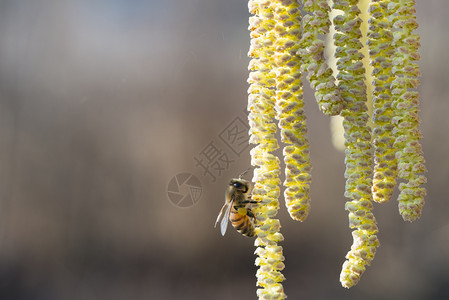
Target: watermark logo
(184, 190)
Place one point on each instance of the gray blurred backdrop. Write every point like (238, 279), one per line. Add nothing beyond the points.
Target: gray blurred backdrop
(103, 102)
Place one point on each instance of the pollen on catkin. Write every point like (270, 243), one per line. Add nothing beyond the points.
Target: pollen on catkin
(261, 106)
(289, 107)
(283, 45)
(357, 142)
(381, 53)
(311, 50)
(402, 15)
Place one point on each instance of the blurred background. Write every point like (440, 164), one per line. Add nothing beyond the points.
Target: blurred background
(109, 111)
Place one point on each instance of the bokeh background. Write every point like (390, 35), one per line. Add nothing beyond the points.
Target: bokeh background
(103, 102)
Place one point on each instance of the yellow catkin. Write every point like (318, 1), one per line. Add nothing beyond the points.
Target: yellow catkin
(289, 107)
(357, 142)
(381, 52)
(402, 15)
(261, 103)
(311, 50)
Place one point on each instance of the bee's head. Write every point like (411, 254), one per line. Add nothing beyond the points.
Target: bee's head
(240, 185)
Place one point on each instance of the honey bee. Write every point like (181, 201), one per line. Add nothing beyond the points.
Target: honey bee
(237, 207)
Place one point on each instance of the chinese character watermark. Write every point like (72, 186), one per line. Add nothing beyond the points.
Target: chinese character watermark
(214, 159)
(235, 136)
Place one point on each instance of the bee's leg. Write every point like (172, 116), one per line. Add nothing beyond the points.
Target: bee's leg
(249, 212)
(249, 201)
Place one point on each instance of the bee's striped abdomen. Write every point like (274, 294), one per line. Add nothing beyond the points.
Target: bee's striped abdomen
(242, 223)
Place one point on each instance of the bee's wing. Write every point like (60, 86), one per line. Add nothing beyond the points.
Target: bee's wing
(224, 221)
(219, 215)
